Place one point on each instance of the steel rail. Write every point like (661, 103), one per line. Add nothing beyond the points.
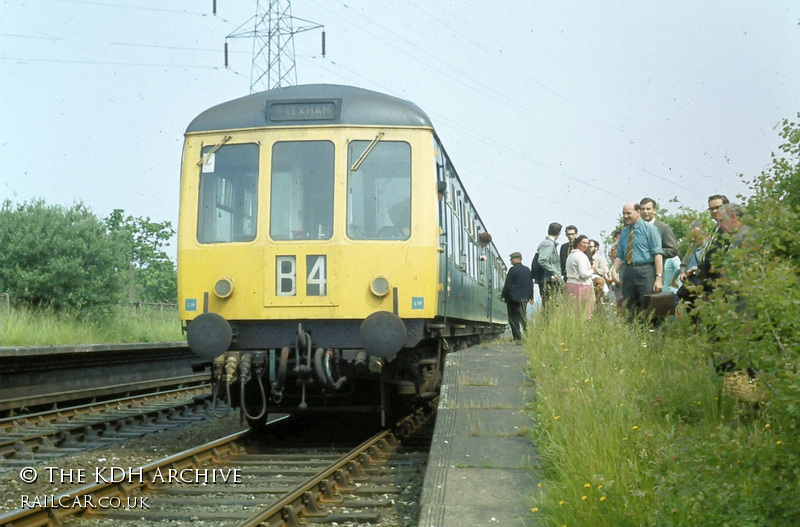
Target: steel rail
(305, 499)
(67, 424)
(321, 487)
(41, 517)
(7, 424)
(100, 391)
(55, 374)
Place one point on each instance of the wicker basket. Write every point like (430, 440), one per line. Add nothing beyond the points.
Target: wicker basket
(739, 385)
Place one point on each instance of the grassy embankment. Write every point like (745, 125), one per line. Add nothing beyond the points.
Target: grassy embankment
(21, 327)
(635, 429)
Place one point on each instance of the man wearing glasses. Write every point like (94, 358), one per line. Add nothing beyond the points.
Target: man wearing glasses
(571, 231)
(715, 203)
(706, 271)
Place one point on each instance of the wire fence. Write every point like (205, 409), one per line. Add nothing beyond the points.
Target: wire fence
(161, 306)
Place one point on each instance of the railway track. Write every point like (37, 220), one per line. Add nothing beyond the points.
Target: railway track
(56, 433)
(236, 481)
(38, 379)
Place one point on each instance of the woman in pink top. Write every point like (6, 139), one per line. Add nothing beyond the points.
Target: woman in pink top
(579, 275)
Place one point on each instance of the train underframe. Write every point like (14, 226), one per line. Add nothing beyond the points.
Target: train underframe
(326, 368)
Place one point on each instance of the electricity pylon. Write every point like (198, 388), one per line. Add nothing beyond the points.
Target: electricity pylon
(272, 30)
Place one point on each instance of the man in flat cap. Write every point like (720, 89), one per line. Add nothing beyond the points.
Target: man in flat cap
(517, 291)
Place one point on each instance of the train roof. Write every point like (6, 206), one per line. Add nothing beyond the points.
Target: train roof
(310, 104)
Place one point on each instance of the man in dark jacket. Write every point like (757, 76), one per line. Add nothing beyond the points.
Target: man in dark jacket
(648, 210)
(517, 292)
(571, 231)
(708, 274)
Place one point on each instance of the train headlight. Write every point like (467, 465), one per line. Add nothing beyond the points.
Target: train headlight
(224, 287)
(379, 286)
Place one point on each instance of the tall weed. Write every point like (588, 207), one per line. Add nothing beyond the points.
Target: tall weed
(46, 327)
(634, 429)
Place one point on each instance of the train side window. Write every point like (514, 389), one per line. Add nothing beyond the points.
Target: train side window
(482, 266)
(379, 191)
(440, 179)
(455, 227)
(228, 202)
(448, 218)
(301, 199)
(473, 259)
(462, 239)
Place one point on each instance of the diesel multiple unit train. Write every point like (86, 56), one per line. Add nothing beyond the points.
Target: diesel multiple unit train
(328, 254)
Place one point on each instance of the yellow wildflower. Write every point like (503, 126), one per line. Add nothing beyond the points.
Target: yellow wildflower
(766, 425)
(635, 427)
(557, 417)
(540, 485)
(599, 487)
(584, 498)
(534, 509)
(561, 502)
(602, 498)
(779, 442)
(586, 380)
(587, 485)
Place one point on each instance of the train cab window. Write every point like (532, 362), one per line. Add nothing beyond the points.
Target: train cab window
(379, 190)
(228, 202)
(301, 197)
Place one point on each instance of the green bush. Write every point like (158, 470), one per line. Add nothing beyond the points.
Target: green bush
(752, 315)
(152, 276)
(57, 257)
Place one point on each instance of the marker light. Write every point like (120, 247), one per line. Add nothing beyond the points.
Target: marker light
(224, 287)
(379, 286)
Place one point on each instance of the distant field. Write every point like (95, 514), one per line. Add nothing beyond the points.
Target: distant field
(21, 327)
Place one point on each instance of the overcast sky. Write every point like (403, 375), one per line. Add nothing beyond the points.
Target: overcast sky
(550, 111)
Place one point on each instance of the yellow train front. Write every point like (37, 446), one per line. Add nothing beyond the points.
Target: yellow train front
(328, 255)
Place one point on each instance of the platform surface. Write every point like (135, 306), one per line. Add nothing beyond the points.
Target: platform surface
(483, 467)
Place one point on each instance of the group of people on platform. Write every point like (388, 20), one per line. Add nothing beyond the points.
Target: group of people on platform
(644, 261)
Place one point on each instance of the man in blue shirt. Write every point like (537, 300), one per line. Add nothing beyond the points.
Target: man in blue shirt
(639, 248)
